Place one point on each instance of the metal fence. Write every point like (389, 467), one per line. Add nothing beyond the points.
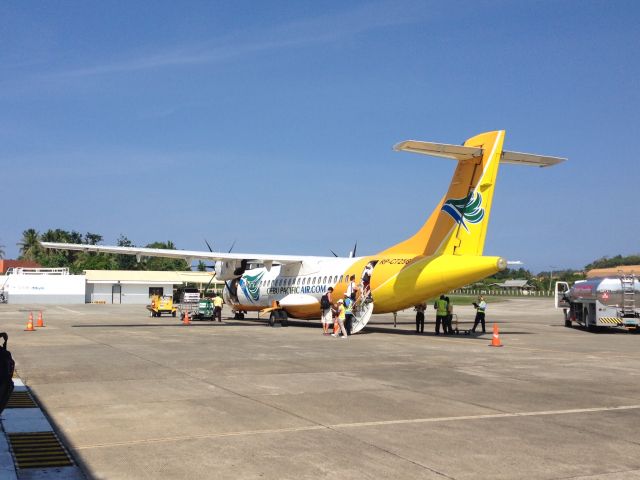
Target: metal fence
(503, 292)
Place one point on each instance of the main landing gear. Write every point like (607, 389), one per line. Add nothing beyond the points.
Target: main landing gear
(278, 317)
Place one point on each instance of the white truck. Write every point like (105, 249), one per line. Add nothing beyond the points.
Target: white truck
(612, 301)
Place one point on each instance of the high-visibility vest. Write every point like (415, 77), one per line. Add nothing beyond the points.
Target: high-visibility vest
(482, 306)
(441, 307)
(341, 312)
(217, 302)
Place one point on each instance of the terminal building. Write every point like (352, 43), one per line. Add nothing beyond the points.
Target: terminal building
(58, 286)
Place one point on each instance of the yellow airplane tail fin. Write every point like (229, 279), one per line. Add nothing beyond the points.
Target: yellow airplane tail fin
(458, 225)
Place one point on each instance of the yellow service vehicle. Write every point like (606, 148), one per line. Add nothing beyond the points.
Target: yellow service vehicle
(162, 304)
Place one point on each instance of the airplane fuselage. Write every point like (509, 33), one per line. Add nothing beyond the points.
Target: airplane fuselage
(397, 282)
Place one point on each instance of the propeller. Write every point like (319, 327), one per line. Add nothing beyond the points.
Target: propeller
(352, 253)
(211, 267)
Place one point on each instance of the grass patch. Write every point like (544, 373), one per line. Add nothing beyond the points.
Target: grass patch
(469, 299)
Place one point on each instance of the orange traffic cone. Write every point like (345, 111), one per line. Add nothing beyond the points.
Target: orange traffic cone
(30, 324)
(495, 341)
(185, 320)
(40, 320)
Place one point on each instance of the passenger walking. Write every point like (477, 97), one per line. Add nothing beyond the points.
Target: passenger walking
(420, 309)
(325, 308)
(441, 313)
(340, 320)
(366, 281)
(348, 315)
(352, 289)
(217, 307)
(481, 307)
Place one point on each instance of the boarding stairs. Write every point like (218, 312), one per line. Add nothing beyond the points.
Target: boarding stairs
(4, 294)
(361, 311)
(628, 295)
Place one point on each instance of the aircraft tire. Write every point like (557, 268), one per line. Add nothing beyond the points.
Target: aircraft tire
(272, 319)
(284, 319)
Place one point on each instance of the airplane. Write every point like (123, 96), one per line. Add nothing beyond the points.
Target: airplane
(444, 254)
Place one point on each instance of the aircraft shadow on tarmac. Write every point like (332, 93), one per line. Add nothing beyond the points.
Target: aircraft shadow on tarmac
(259, 322)
(138, 325)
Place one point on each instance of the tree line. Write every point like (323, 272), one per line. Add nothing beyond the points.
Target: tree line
(30, 249)
(76, 262)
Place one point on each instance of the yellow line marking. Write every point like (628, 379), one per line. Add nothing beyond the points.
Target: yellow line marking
(359, 425)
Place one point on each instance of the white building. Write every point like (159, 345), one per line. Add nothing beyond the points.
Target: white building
(56, 285)
(135, 287)
(42, 285)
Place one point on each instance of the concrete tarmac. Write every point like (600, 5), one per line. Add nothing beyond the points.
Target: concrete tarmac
(136, 397)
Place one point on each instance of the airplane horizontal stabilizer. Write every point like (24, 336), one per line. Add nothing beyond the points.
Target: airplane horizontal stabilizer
(458, 152)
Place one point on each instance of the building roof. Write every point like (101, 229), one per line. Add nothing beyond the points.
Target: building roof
(512, 284)
(7, 264)
(148, 277)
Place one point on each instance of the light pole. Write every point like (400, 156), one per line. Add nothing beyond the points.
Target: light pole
(551, 276)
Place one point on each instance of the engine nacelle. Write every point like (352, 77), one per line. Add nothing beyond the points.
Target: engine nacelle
(230, 269)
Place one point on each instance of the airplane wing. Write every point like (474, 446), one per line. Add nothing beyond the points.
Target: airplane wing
(187, 255)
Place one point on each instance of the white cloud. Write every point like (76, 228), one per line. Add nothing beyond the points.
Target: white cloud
(310, 31)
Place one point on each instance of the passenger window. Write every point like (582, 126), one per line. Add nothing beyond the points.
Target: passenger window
(324, 280)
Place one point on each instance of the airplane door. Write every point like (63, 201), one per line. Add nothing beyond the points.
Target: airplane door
(560, 295)
(116, 294)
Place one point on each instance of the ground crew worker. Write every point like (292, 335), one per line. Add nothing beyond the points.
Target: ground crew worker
(348, 315)
(441, 313)
(481, 307)
(420, 317)
(448, 327)
(217, 307)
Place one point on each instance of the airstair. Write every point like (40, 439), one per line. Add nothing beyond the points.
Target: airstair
(628, 295)
(362, 311)
(4, 294)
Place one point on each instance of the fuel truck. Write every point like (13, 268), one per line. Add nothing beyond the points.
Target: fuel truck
(611, 301)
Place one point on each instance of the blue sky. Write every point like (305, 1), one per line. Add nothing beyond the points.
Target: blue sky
(272, 122)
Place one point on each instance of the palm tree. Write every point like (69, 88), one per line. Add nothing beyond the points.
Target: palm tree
(29, 245)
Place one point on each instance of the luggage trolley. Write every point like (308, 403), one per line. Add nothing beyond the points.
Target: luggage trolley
(188, 307)
(456, 329)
